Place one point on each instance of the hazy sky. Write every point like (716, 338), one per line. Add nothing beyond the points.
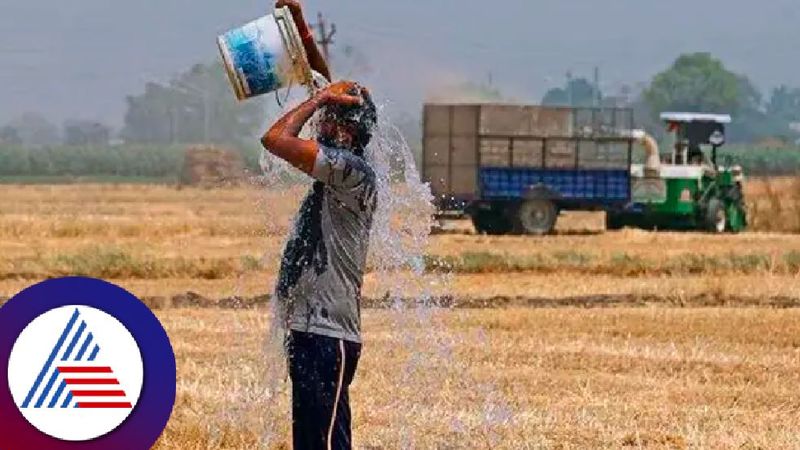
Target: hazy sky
(80, 58)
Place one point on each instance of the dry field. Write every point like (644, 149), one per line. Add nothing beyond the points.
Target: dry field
(694, 348)
(514, 379)
(775, 203)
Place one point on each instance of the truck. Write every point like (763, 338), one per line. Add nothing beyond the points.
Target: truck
(514, 168)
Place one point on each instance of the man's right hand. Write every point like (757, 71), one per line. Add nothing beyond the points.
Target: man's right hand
(315, 58)
(297, 12)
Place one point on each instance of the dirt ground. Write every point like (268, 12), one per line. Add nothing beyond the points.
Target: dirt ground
(585, 339)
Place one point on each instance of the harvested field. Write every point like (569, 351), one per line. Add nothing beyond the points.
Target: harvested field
(775, 204)
(516, 379)
(162, 241)
(580, 340)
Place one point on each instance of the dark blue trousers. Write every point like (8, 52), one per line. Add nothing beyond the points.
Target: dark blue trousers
(321, 369)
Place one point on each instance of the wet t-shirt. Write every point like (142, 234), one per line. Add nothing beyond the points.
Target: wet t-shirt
(323, 263)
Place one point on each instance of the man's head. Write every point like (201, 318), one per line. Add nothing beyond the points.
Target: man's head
(349, 127)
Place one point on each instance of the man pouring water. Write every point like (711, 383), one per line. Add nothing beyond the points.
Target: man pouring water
(319, 283)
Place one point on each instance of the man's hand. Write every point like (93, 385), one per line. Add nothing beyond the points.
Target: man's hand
(283, 138)
(293, 5)
(297, 13)
(315, 58)
(342, 93)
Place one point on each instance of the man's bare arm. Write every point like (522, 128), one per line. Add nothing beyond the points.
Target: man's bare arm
(315, 58)
(282, 139)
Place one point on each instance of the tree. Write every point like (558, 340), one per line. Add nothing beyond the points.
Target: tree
(34, 130)
(578, 92)
(86, 132)
(772, 120)
(152, 116)
(784, 103)
(196, 106)
(9, 136)
(750, 122)
(781, 113)
(700, 83)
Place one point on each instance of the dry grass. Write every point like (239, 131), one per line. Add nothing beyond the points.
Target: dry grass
(774, 204)
(491, 378)
(620, 263)
(514, 379)
(223, 242)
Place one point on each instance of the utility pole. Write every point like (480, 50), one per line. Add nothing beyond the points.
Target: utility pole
(569, 88)
(325, 36)
(596, 100)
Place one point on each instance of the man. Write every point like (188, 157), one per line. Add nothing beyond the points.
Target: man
(696, 156)
(319, 284)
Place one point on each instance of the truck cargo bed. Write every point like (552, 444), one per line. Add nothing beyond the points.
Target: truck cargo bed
(577, 157)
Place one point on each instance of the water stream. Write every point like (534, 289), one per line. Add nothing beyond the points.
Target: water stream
(396, 263)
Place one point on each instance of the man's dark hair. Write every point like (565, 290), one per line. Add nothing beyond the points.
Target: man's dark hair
(361, 119)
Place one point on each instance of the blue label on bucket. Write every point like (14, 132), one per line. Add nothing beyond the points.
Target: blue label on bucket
(255, 50)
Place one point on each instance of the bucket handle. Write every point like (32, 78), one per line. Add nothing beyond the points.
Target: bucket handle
(297, 52)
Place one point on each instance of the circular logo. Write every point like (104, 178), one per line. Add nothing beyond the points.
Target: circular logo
(75, 373)
(89, 367)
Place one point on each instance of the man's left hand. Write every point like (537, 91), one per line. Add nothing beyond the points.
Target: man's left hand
(342, 93)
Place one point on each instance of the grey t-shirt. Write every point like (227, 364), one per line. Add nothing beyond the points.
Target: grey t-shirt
(323, 263)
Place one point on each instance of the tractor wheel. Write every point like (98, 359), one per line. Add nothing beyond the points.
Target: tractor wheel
(537, 217)
(716, 220)
(736, 219)
(491, 222)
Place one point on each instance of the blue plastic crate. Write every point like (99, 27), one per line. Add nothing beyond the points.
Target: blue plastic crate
(602, 186)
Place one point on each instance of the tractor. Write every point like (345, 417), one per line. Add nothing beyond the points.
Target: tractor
(687, 189)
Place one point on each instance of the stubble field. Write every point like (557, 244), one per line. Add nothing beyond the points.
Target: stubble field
(580, 340)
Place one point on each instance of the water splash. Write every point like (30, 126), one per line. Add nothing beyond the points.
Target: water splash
(404, 216)
(399, 240)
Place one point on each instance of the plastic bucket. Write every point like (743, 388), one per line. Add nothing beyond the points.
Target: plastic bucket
(264, 55)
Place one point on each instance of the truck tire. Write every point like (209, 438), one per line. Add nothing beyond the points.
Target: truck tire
(537, 217)
(716, 220)
(490, 222)
(614, 221)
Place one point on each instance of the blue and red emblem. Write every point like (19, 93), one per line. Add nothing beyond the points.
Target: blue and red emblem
(87, 366)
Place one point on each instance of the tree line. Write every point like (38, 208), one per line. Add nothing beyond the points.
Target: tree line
(698, 82)
(197, 106)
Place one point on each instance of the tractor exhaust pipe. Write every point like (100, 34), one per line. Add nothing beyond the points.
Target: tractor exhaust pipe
(652, 165)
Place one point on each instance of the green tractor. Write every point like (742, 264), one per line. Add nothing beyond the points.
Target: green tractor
(687, 189)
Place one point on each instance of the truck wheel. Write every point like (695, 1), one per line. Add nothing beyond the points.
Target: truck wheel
(716, 218)
(536, 217)
(614, 221)
(490, 222)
